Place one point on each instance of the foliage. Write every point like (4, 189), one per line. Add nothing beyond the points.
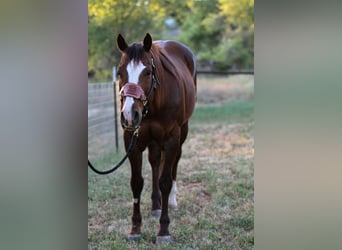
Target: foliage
(107, 18)
(220, 32)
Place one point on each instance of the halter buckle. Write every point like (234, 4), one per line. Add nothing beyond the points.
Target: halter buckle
(136, 131)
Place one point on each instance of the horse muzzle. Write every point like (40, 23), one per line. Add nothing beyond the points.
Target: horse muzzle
(131, 122)
(131, 113)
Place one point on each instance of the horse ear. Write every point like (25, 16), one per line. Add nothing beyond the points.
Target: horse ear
(121, 42)
(147, 42)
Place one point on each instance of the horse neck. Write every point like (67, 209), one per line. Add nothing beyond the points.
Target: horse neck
(159, 93)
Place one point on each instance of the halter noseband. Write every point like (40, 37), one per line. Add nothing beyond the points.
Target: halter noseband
(135, 91)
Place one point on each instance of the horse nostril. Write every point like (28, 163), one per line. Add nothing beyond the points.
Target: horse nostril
(136, 117)
(123, 120)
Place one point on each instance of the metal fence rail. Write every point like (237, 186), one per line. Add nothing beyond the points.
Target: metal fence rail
(226, 73)
(101, 123)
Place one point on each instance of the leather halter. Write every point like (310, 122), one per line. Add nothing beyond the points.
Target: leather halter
(135, 91)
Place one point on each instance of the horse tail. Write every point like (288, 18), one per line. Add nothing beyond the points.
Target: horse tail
(195, 82)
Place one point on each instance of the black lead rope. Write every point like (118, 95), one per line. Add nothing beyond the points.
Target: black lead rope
(129, 151)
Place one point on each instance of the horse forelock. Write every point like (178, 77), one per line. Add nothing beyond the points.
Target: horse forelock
(135, 52)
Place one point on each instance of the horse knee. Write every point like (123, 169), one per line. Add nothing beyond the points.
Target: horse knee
(137, 185)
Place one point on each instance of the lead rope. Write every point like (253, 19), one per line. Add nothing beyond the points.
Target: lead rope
(129, 151)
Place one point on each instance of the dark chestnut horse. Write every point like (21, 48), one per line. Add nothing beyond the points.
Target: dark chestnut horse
(157, 83)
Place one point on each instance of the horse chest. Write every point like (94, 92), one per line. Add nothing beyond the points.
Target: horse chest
(156, 131)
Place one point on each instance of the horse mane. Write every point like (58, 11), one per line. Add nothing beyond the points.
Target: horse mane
(136, 52)
(163, 65)
(163, 62)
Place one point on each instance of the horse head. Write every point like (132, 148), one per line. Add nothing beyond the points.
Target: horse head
(136, 76)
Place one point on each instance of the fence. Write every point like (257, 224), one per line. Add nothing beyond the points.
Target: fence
(101, 122)
(226, 73)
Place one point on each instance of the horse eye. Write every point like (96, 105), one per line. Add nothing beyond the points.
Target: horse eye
(148, 73)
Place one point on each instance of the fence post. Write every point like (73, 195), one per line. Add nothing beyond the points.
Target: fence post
(115, 110)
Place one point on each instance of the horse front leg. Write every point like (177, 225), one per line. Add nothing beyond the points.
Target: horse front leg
(137, 183)
(155, 159)
(165, 185)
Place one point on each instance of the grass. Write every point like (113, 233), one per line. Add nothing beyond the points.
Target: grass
(235, 111)
(215, 181)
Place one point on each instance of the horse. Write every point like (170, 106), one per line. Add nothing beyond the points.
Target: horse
(157, 82)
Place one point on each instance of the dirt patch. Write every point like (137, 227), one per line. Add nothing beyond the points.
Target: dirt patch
(222, 90)
(213, 151)
(217, 142)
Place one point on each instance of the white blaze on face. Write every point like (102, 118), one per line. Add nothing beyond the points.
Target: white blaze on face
(134, 70)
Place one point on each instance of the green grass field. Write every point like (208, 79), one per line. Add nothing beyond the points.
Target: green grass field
(215, 180)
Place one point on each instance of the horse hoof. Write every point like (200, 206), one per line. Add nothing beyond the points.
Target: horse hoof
(173, 207)
(163, 239)
(156, 213)
(134, 237)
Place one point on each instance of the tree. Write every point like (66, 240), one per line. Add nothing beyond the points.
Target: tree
(239, 14)
(220, 32)
(107, 18)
